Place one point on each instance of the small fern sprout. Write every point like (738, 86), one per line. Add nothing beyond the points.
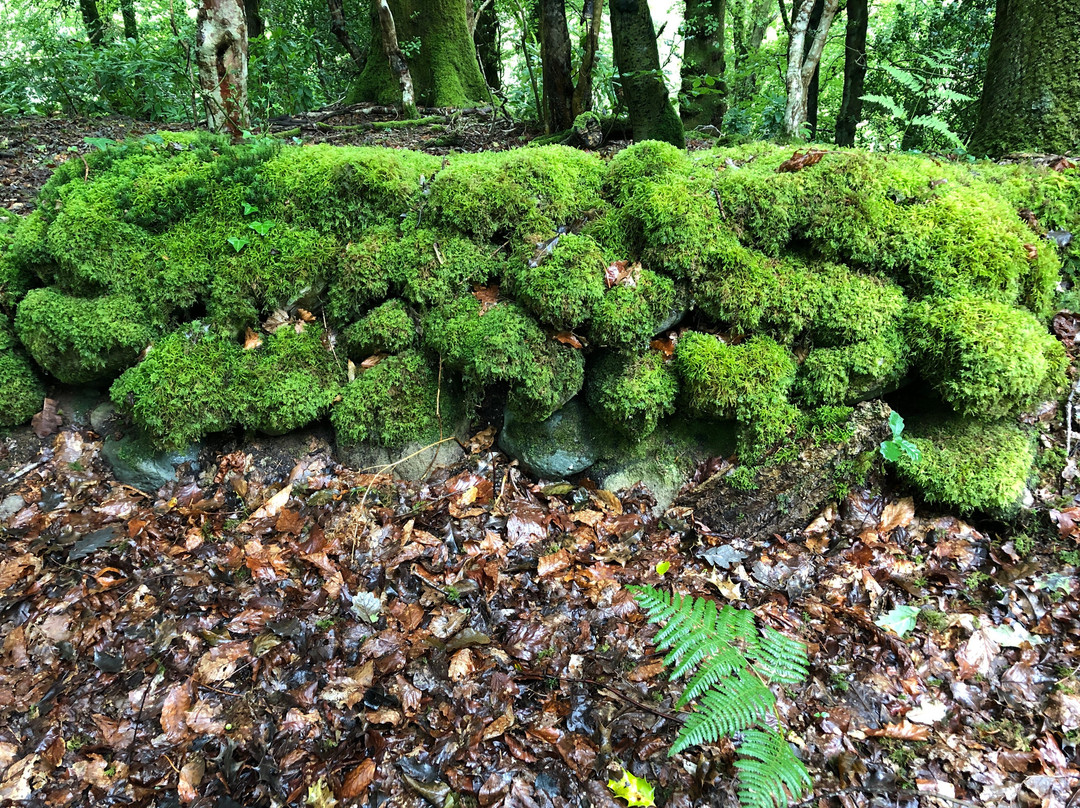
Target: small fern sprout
(731, 665)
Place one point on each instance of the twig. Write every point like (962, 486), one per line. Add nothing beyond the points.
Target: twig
(617, 693)
(1069, 417)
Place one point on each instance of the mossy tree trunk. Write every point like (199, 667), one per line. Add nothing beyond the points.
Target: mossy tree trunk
(704, 90)
(637, 61)
(95, 28)
(127, 11)
(858, 16)
(590, 44)
(398, 66)
(556, 66)
(803, 60)
(435, 40)
(1031, 93)
(222, 54)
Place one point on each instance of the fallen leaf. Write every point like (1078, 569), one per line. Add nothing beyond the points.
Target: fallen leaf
(569, 338)
(902, 731)
(251, 340)
(219, 663)
(190, 777)
(47, 421)
(798, 161)
(357, 781)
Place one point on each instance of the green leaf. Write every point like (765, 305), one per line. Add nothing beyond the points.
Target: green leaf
(663, 567)
(888, 103)
(896, 424)
(900, 621)
(910, 449)
(890, 450)
(238, 243)
(262, 228)
(249, 208)
(635, 790)
(99, 142)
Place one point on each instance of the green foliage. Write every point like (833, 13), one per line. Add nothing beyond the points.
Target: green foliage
(391, 404)
(80, 340)
(632, 391)
(985, 359)
(731, 665)
(969, 464)
(388, 328)
(562, 290)
(898, 445)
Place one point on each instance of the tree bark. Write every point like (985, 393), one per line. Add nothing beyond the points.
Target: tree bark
(556, 67)
(253, 17)
(95, 28)
(813, 91)
(1031, 93)
(398, 66)
(340, 29)
(434, 38)
(486, 38)
(637, 61)
(590, 43)
(222, 55)
(704, 102)
(858, 16)
(131, 26)
(801, 68)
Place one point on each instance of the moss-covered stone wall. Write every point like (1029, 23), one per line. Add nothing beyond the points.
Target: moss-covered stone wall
(265, 286)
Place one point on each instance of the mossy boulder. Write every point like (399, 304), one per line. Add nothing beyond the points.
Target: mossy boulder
(631, 392)
(970, 464)
(81, 340)
(563, 288)
(630, 313)
(388, 328)
(21, 390)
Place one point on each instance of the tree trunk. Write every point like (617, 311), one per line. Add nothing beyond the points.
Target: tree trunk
(556, 67)
(486, 37)
(95, 28)
(127, 11)
(340, 29)
(434, 38)
(253, 17)
(398, 66)
(222, 55)
(813, 91)
(704, 90)
(1031, 94)
(858, 15)
(801, 68)
(590, 43)
(637, 61)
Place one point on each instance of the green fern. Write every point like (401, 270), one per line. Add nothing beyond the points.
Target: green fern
(731, 665)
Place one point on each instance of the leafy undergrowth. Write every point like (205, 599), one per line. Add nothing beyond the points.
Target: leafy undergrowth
(328, 637)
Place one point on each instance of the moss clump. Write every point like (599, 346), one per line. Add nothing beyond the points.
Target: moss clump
(21, 390)
(388, 328)
(81, 340)
(504, 345)
(521, 192)
(985, 359)
(631, 392)
(294, 377)
(970, 464)
(562, 289)
(186, 387)
(855, 372)
(361, 278)
(640, 164)
(747, 382)
(391, 404)
(627, 315)
(15, 278)
(431, 267)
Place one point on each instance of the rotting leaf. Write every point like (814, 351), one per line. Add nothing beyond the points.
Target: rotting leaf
(798, 161)
(47, 421)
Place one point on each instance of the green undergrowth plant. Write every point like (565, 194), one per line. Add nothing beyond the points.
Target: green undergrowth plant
(731, 664)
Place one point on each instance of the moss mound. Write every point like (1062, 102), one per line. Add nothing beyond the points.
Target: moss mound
(830, 284)
(970, 465)
(21, 390)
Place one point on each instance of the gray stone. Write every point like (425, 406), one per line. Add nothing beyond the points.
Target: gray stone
(77, 403)
(102, 417)
(566, 443)
(414, 461)
(134, 464)
(10, 506)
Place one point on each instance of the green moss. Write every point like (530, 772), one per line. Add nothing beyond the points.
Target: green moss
(561, 289)
(985, 359)
(641, 164)
(969, 464)
(853, 372)
(431, 267)
(520, 192)
(361, 278)
(631, 392)
(80, 340)
(505, 345)
(295, 379)
(388, 328)
(189, 385)
(391, 404)
(627, 316)
(21, 390)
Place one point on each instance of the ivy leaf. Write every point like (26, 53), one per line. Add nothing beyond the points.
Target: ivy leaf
(635, 790)
(896, 424)
(900, 621)
(262, 228)
(99, 142)
(910, 449)
(249, 208)
(238, 243)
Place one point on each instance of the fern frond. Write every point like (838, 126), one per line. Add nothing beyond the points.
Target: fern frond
(726, 662)
(781, 658)
(905, 78)
(740, 703)
(888, 103)
(938, 125)
(769, 773)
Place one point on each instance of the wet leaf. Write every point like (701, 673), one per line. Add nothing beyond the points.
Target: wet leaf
(47, 421)
(635, 790)
(900, 621)
(800, 160)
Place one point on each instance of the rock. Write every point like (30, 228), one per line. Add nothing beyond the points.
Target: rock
(10, 506)
(564, 444)
(1064, 710)
(784, 497)
(102, 417)
(414, 461)
(666, 459)
(77, 404)
(134, 464)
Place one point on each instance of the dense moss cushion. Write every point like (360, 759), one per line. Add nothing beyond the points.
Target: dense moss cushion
(264, 286)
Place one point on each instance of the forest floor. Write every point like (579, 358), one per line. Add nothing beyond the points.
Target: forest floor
(275, 630)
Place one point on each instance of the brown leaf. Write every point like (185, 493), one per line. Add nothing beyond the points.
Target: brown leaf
(499, 725)
(487, 295)
(461, 665)
(798, 161)
(975, 655)
(896, 514)
(1032, 251)
(47, 421)
(1062, 163)
(665, 344)
(1067, 520)
(357, 781)
(251, 340)
(191, 776)
(306, 315)
(279, 318)
(372, 361)
(551, 564)
(173, 709)
(904, 730)
(646, 672)
(219, 663)
(569, 338)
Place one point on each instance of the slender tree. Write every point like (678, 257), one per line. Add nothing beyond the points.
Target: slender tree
(747, 34)
(486, 35)
(803, 61)
(637, 59)
(593, 13)
(340, 29)
(253, 18)
(222, 55)
(435, 40)
(1031, 93)
(556, 66)
(704, 89)
(95, 28)
(127, 12)
(398, 66)
(858, 17)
